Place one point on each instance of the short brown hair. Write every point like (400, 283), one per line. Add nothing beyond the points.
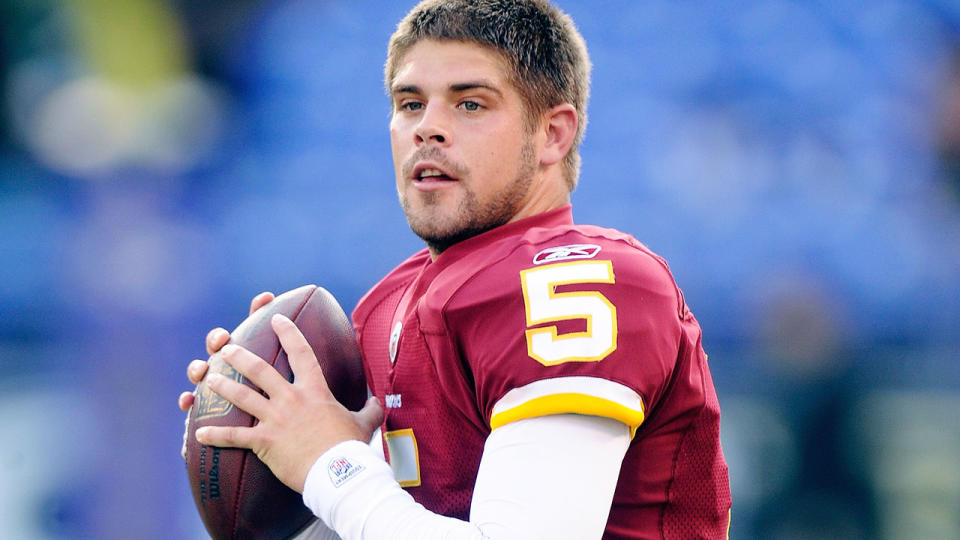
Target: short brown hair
(540, 43)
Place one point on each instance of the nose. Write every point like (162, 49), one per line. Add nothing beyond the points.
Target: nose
(434, 126)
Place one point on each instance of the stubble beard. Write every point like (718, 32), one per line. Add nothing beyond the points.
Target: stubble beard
(472, 216)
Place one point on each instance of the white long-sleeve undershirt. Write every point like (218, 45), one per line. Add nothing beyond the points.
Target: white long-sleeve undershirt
(544, 477)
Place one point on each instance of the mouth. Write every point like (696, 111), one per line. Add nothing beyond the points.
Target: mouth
(431, 173)
(428, 173)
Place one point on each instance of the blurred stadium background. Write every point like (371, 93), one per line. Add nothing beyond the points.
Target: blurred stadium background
(797, 162)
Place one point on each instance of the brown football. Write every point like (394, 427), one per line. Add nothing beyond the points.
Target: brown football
(236, 494)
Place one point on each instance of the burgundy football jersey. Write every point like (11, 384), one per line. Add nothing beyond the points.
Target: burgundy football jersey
(540, 317)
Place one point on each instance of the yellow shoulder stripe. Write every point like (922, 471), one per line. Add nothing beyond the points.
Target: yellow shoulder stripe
(574, 403)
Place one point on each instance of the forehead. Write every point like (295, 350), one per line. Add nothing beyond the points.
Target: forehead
(443, 63)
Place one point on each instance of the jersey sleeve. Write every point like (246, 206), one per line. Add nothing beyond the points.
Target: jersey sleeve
(591, 332)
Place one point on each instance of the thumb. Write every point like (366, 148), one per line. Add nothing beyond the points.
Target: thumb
(370, 416)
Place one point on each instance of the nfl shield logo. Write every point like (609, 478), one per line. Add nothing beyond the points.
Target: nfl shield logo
(395, 340)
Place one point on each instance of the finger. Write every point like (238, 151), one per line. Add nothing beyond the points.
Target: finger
(226, 436)
(260, 300)
(303, 361)
(370, 417)
(255, 369)
(196, 370)
(241, 395)
(216, 339)
(185, 401)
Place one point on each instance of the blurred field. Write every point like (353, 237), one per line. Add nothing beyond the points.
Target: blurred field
(796, 162)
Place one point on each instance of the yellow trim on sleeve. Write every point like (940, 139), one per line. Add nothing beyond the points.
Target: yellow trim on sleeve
(570, 403)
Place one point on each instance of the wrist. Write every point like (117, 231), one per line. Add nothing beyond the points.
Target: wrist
(345, 483)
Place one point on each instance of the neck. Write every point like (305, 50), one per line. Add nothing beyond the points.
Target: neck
(549, 191)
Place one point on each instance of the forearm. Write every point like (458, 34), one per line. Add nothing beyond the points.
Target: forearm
(531, 483)
(353, 490)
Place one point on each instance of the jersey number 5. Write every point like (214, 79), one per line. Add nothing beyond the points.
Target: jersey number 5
(545, 305)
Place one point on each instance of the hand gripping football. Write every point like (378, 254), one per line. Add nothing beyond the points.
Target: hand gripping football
(236, 494)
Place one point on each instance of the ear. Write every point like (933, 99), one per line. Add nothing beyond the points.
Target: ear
(561, 129)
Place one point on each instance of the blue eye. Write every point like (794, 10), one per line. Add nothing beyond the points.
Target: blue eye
(471, 105)
(411, 106)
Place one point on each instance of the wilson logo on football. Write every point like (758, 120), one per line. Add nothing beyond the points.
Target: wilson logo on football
(566, 253)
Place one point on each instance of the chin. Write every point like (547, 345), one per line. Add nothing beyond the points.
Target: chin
(443, 225)
(431, 219)
(438, 239)
(434, 233)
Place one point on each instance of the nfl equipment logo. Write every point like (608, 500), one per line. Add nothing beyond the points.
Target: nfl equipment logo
(341, 469)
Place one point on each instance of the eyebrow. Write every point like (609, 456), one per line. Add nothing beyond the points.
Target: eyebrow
(405, 89)
(473, 85)
(456, 88)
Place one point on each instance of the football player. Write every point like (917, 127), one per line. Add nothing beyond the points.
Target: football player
(533, 378)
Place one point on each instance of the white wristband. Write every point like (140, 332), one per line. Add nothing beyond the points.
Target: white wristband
(345, 484)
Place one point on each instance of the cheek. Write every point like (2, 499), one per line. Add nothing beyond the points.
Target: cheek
(398, 150)
(395, 136)
(502, 159)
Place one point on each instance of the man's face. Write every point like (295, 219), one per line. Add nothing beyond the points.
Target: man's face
(464, 161)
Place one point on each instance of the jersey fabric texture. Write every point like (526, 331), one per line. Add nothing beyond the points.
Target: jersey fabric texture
(540, 317)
